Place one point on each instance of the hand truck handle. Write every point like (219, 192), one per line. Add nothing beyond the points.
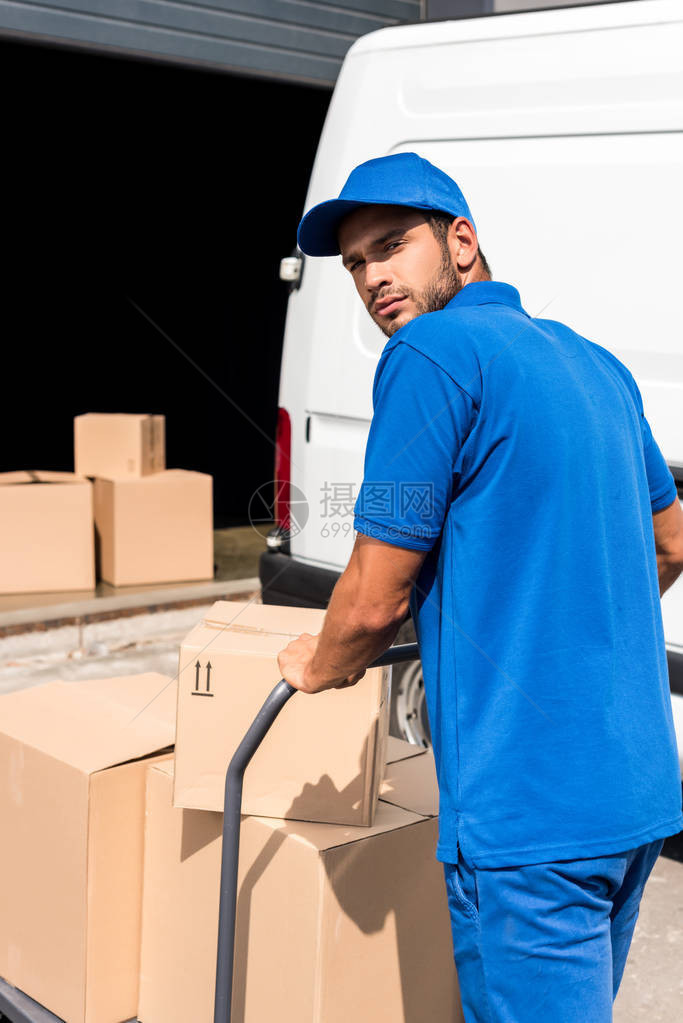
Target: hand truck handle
(231, 824)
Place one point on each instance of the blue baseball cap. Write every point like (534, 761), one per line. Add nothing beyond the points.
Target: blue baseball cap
(402, 179)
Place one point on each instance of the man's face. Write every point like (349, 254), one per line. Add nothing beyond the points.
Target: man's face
(399, 267)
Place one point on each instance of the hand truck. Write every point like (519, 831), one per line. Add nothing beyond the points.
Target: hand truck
(16, 1007)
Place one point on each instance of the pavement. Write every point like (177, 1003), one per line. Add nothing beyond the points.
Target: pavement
(652, 987)
(139, 630)
(120, 631)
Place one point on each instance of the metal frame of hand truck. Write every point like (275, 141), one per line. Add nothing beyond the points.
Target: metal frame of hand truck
(16, 1007)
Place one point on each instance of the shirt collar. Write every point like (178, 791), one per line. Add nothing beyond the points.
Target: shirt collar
(485, 293)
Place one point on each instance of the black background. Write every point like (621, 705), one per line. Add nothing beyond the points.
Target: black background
(174, 188)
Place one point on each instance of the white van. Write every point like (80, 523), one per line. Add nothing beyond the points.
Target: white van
(564, 129)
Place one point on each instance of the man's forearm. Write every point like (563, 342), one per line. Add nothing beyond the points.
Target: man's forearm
(352, 635)
(668, 572)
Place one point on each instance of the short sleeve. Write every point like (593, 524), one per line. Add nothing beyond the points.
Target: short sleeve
(421, 419)
(660, 480)
(659, 477)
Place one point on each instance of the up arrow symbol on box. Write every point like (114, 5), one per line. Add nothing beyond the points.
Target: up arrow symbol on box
(201, 692)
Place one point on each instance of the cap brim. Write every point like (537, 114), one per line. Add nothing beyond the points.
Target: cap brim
(318, 230)
(317, 234)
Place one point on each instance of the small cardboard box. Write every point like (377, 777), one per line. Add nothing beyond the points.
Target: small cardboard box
(323, 758)
(157, 529)
(73, 761)
(119, 445)
(333, 923)
(46, 539)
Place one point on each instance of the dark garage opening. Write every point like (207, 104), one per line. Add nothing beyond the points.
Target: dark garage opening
(181, 191)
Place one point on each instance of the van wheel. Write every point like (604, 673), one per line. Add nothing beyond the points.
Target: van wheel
(408, 719)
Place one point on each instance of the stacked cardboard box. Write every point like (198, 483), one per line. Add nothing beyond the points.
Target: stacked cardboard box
(109, 892)
(153, 525)
(324, 756)
(46, 540)
(333, 923)
(121, 446)
(156, 529)
(73, 762)
(342, 908)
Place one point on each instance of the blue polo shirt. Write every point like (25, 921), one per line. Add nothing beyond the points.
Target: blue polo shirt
(517, 455)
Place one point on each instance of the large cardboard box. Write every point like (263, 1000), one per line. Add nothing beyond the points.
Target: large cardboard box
(400, 749)
(46, 539)
(157, 529)
(323, 758)
(333, 923)
(73, 760)
(411, 783)
(118, 444)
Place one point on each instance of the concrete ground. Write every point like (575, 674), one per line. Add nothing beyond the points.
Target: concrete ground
(128, 639)
(117, 631)
(130, 644)
(652, 988)
(236, 554)
(237, 550)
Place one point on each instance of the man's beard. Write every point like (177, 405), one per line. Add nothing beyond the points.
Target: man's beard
(444, 286)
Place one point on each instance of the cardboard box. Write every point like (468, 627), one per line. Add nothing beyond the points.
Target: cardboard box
(322, 760)
(46, 539)
(73, 762)
(157, 529)
(399, 749)
(412, 783)
(119, 445)
(333, 923)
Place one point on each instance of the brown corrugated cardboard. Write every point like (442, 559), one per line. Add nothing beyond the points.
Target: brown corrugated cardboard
(399, 749)
(157, 529)
(119, 444)
(322, 760)
(73, 760)
(412, 784)
(333, 923)
(46, 539)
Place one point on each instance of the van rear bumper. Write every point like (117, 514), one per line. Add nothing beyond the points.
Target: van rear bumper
(675, 661)
(284, 580)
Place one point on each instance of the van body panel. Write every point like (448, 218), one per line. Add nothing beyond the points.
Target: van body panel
(579, 256)
(564, 129)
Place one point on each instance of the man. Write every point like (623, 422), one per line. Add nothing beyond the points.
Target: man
(533, 575)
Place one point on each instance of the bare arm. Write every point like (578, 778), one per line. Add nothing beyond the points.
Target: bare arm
(367, 606)
(668, 527)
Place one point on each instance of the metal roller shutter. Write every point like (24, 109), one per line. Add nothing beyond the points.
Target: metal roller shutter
(296, 40)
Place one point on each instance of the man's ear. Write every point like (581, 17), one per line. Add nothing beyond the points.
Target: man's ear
(462, 243)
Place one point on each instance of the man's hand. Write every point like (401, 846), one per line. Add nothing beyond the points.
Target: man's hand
(368, 604)
(294, 663)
